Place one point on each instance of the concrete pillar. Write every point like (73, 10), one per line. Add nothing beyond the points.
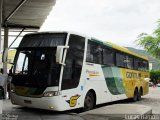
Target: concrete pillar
(5, 63)
(1, 2)
(5, 46)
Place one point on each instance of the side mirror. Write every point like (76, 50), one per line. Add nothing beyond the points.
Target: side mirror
(5, 55)
(59, 53)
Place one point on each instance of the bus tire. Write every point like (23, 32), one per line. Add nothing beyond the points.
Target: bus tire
(140, 93)
(89, 101)
(135, 97)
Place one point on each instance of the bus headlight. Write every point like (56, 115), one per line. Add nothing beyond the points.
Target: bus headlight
(51, 93)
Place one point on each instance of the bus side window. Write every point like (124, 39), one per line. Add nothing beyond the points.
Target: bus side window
(94, 52)
(136, 64)
(128, 62)
(120, 60)
(108, 56)
(146, 66)
(140, 64)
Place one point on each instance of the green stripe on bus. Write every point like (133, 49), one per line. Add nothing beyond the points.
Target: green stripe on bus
(113, 80)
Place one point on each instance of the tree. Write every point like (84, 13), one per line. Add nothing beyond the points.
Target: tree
(155, 76)
(151, 43)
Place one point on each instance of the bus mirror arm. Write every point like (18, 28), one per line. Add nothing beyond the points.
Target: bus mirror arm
(59, 54)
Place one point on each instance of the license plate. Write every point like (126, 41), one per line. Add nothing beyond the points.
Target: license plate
(28, 101)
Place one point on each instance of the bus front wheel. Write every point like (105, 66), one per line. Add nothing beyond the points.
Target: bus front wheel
(89, 102)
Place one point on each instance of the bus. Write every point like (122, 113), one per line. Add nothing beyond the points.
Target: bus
(63, 70)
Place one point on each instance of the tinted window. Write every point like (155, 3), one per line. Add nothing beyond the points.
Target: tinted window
(143, 65)
(43, 40)
(108, 56)
(140, 64)
(94, 52)
(120, 60)
(128, 62)
(136, 61)
(36, 67)
(146, 66)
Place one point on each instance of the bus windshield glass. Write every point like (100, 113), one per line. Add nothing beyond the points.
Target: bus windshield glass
(35, 61)
(36, 68)
(43, 40)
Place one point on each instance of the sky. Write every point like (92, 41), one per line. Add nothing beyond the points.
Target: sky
(117, 21)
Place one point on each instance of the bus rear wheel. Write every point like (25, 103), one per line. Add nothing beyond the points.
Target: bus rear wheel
(140, 93)
(135, 97)
(89, 102)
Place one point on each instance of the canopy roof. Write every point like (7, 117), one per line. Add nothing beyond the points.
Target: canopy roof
(26, 13)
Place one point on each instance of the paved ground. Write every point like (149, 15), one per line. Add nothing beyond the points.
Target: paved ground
(10, 111)
(152, 100)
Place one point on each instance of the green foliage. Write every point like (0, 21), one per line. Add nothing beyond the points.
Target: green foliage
(151, 43)
(155, 75)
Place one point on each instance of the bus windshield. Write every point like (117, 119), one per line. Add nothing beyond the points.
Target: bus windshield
(36, 67)
(35, 60)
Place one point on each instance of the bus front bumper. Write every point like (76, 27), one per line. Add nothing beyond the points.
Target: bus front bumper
(55, 103)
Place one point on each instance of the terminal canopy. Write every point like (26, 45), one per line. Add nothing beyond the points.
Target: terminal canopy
(25, 13)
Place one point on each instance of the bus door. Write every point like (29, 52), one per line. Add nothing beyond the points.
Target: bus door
(71, 85)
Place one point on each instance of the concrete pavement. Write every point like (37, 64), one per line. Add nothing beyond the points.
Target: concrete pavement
(1, 107)
(152, 100)
(119, 111)
(110, 112)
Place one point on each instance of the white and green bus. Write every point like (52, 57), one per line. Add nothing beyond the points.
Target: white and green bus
(62, 71)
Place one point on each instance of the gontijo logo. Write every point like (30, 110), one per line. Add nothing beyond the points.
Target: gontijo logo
(132, 75)
(92, 73)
